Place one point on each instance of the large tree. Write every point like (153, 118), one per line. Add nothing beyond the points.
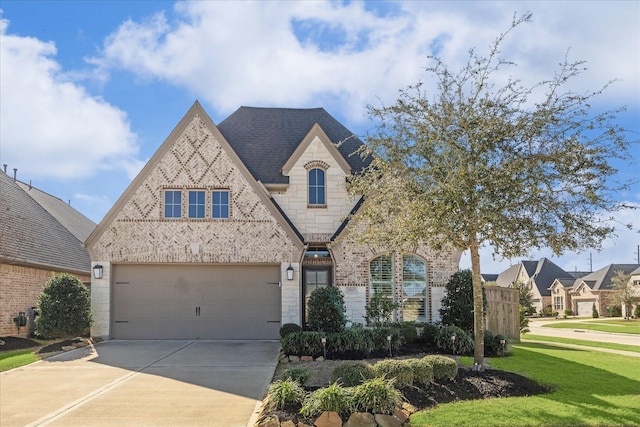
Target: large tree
(625, 291)
(484, 159)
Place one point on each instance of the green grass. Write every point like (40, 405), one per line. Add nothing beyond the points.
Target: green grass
(595, 344)
(16, 358)
(630, 327)
(589, 388)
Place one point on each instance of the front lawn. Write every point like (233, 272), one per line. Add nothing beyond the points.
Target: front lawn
(617, 326)
(590, 389)
(16, 358)
(597, 344)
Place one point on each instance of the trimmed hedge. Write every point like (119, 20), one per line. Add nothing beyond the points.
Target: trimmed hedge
(398, 370)
(443, 367)
(351, 374)
(357, 342)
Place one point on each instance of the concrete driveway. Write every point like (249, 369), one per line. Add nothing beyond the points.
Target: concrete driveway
(142, 383)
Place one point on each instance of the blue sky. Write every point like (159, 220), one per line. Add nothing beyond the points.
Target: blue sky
(90, 89)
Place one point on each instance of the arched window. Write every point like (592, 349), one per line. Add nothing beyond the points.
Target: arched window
(317, 187)
(414, 289)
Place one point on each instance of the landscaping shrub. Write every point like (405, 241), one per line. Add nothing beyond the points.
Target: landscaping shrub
(422, 370)
(568, 312)
(351, 374)
(443, 367)
(64, 307)
(457, 305)
(594, 311)
(332, 398)
(355, 341)
(492, 346)
(408, 332)
(298, 374)
(289, 328)
(379, 311)
(463, 344)
(302, 343)
(376, 396)
(398, 370)
(326, 310)
(282, 392)
(429, 334)
(380, 338)
(636, 312)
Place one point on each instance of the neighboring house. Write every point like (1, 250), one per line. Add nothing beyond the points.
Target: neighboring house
(39, 235)
(538, 276)
(634, 282)
(228, 229)
(597, 288)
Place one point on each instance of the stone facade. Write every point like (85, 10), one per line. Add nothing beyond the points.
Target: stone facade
(20, 287)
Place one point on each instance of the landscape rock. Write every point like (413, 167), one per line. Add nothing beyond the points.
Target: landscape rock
(306, 358)
(288, 423)
(68, 347)
(271, 422)
(294, 359)
(361, 419)
(387, 421)
(319, 359)
(328, 419)
(401, 414)
(409, 408)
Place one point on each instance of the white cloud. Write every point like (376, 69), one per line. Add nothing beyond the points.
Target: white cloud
(344, 56)
(51, 126)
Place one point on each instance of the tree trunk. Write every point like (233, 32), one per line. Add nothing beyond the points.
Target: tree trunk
(478, 305)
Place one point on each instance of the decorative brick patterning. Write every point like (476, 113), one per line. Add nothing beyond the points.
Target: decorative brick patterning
(196, 160)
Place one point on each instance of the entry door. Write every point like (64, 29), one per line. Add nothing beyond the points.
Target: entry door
(314, 277)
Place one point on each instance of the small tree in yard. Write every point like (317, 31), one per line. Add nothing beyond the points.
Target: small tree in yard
(485, 160)
(326, 310)
(379, 311)
(64, 307)
(457, 305)
(594, 311)
(625, 291)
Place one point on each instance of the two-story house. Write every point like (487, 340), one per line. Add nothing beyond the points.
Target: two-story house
(228, 228)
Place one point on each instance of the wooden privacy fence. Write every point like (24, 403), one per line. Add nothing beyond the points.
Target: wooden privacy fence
(503, 315)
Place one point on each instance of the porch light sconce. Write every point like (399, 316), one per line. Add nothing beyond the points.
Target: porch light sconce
(290, 272)
(97, 271)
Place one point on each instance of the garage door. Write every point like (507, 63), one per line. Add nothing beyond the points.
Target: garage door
(585, 308)
(195, 302)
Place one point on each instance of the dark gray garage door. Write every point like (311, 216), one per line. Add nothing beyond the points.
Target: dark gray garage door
(195, 302)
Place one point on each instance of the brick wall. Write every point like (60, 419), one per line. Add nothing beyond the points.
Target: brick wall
(19, 290)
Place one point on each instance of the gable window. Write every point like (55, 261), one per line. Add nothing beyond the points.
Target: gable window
(414, 289)
(317, 188)
(220, 204)
(381, 276)
(172, 204)
(196, 204)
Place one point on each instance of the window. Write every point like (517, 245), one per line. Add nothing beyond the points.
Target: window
(381, 271)
(220, 204)
(317, 187)
(558, 303)
(172, 204)
(414, 289)
(196, 204)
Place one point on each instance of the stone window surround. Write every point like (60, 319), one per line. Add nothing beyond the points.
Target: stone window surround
(185, 202)
(323, 166)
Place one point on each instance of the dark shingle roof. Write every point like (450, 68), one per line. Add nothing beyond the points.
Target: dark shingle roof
(545, 273)
(29, 234)
(265, 138)
(78, 224)
(600, 280)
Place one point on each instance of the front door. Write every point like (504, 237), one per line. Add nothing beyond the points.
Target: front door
(314, 277)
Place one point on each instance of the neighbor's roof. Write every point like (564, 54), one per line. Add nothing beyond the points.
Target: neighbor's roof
(600, 280)
(78, 224)
(31, 235)
(265, 138)
(542, 272)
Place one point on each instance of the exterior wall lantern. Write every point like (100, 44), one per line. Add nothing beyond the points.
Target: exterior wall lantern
(289, 272)
(97, 271)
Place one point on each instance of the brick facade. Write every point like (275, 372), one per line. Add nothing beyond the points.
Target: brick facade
(20, 287)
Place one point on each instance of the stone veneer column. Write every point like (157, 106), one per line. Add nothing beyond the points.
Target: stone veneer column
(290, 294)
(101, 301)
(355, 301)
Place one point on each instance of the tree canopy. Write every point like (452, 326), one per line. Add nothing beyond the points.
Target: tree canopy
(487, 160)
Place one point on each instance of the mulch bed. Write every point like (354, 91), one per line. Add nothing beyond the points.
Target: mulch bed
(17, 343)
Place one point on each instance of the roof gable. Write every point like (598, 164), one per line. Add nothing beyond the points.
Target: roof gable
(194, 155)
(266, 138)
(30, 235)
(316, 132)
